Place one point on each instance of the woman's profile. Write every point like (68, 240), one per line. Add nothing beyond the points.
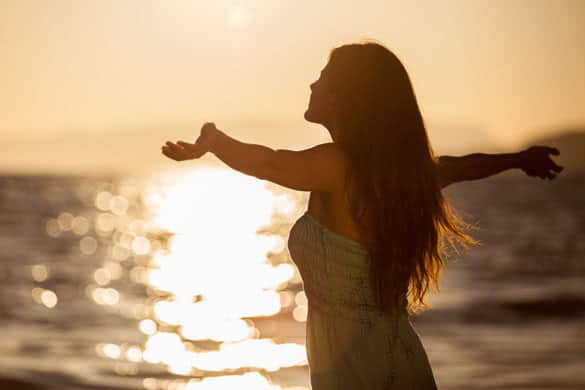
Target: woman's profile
(370, 245)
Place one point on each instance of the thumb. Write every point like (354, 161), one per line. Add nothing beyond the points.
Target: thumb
(207, 135)
(208, 126)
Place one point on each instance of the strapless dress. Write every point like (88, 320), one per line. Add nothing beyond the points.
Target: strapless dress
(351, 343)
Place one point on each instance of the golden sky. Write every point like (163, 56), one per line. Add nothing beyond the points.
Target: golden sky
(78, 76)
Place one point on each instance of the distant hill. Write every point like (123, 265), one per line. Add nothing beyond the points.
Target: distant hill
(460, 138)
(571, 144)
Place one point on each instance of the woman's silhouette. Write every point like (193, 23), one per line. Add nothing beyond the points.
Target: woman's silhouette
(369, 246)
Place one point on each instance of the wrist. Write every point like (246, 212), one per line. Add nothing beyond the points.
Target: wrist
(518, 160)
(215, 139)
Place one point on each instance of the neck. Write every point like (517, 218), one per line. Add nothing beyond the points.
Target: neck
(333, 131)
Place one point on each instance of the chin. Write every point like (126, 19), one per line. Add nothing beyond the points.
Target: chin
(309, 116)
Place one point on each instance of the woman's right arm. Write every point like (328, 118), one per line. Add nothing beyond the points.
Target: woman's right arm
(534, 161)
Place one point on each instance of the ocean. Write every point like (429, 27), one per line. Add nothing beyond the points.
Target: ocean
(182, 280)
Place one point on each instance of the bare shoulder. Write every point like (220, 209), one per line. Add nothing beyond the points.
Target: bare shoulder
(329, 152)
(319, 168)
(330, 155)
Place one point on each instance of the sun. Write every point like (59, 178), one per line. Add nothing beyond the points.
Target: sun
(238, 17)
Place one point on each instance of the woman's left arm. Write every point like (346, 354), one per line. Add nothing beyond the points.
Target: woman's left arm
(534, 161)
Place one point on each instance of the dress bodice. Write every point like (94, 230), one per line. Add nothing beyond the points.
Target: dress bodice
(334, 269)
(351, 343)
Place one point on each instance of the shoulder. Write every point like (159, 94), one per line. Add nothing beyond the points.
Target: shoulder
(319, 168)
(446, 169)
(330, 152)
(322, 156)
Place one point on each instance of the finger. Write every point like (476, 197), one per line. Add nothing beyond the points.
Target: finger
(190, 151)
(187, 146)
(557, 168)
(169, 152)
(550, 175)
(183, 145)
(177, 153)
(553, 151)
(208, 126)
(169, 155)
(194, 151)
(175, 147)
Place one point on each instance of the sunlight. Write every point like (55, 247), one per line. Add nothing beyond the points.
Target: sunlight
(238, 17)
(249, 380)
(215, 214)
(214, 276)
(209, 200)
(253, 353)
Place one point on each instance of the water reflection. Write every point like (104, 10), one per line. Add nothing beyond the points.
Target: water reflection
(40, 273)
(147, 327)
(105, 296)
(45, 297)
(249, 380)
(188, 257)
(54, 329)
(88, 245)
(216, 275)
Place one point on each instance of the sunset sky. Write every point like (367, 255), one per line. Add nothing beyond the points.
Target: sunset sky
(100, 85)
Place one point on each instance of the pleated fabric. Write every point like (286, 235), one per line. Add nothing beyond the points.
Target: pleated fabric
(351, 343)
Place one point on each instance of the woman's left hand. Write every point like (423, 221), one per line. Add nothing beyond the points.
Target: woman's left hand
(536, 161)
(181, 150)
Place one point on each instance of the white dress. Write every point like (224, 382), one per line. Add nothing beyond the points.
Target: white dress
(351, 344)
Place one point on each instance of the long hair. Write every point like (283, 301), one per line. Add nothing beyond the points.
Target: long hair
(392, 182)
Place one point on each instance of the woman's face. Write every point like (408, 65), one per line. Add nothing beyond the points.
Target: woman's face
(321, 108)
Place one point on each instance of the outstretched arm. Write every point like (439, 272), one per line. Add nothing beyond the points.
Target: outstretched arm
(319, 168)
(534, 161)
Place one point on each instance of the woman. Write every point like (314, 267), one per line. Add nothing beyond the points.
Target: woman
(370, 244)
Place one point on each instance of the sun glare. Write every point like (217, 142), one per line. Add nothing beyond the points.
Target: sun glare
(214, 278)
(238, 17)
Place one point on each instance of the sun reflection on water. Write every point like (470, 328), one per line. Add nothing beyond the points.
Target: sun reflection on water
(214, 277)
(249, 380)
(45, 297)
(189, 257)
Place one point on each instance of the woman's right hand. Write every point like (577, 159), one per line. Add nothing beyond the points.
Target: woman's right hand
(536, 161)
(181, 150)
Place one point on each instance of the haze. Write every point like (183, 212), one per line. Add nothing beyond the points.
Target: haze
(100, 85)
